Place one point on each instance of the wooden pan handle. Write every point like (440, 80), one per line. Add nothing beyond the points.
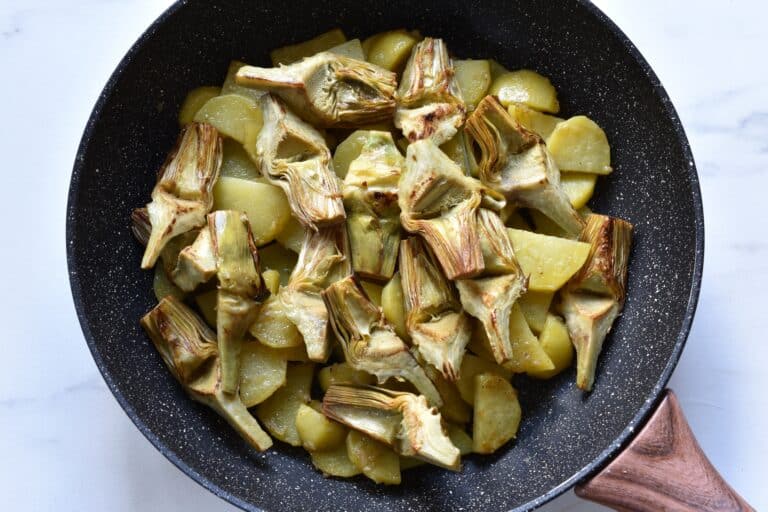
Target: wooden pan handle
(663, 468)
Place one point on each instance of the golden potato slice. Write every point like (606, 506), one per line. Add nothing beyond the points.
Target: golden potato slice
(578, 186)
(265, 205)
(542, 124)
(271, 279)
(460, 438)
(454, 408)
(317, 432)
(335, 462)
(294, 52)
(393, 305)
(390, 50)
(276, 257)
(194, 101)
(262, 372)
(546, 226)
(163, 286)
(527, 353)
(206, 302)
(557, 344)
(352, 49)
(376, 460)
(579, 144)
(471, 366)
(497, 69)
(272, 327)
(295, 354)
(292, 235)
(474, 79)
(278, 412)
(347, 151)
(497, 413)
(233, 115)
(342, 373)
(549, 261)
(535, 307)
(237, 164)
(373, 290)
(527, 87)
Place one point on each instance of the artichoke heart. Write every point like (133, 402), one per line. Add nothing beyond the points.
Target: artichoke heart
(370, 198)
(369, 341)
(323, 259)
(189, 350)
(328, 89)
(404, 421)
(141, 229)
(438, 202)
(196, 263)
(429, 101)
(594, 297)
(294, 156)
(435, 321)
(515, 162)
(183, 193)
(490, 298)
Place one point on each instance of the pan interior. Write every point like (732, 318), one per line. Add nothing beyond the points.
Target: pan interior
(565, 434)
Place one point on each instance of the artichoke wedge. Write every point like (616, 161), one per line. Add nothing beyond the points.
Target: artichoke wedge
(323, 259)
(404, 421)
(141, 229)
(435, 321)
(294, 156)
(490, 298)
(183, 193)
(196, 263)
(429, 101)
(369, 341)
(189, 350)
(594, 297)
(438, 202)
(328, 89)
(370, 199)
(515, 162)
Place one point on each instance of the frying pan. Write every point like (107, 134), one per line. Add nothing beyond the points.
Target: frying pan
(567, 437)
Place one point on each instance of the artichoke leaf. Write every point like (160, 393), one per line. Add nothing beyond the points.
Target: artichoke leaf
(189, 349)
(328, 89)
(369, 342)
(141, 228)
(196, 263)
(515, 162)
(294, 156)
(429, 101)
(404, 421)
(183, 193)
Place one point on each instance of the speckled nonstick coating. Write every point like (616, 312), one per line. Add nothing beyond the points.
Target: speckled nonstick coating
(565, 435)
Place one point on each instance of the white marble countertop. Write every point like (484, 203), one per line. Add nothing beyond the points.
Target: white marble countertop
(66, 445)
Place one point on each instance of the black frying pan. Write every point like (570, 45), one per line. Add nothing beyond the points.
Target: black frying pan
(566, 435)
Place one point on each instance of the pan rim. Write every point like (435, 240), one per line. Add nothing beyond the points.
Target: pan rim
(595, 465)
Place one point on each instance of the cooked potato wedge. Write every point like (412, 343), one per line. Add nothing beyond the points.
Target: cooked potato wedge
(352, 49)
(236, 163)
(292, 235)
(276, 257)
(335, 462)
(376, 460)
(347, 151)
(535, 121)
(472, 366)
(460, 438)
(454, 408)
(232, 114)
(374, 291)
(527, 353)
(579, 144)
(206, 302)
(393, 305)
(265, 205)
(194, 101)
(278, 412)
(262, 372)
(271, 280)
(497, 413)
(390, 50)
(318, 433)
(474, 79)
(535, 307)
(549, 261)
(526, 87)
(272, 327)
(556, 342)
(578, 186)
(342, 373)
(294, 52)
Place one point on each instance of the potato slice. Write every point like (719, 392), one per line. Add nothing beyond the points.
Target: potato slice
(556, 342)
(393, 305)
(194, 101)
(162, 286)
(352, 49)
(390, 50)
(237, 164)
(549, 261)
(278, 412)
(376, 460)
(373, 290)
(233, 115)
(272, 327)
(546, 226)
(578, 186)
(262, 372)
(342, 373)
(535, 307)
(459, 149)
(454, 408)
(497, 69)
(579, 144)
(206, 302)
(542, 124)
(497, 413)
(471, 366)
(527, 353)
(335, 462)
(294, 52)
(474, 79)
(296, 354)
(317, 432)
(460, 438)
(276, 257)
(527, 87)
(265, 205)
(292, 235)
(271, 279)
(347, 151)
